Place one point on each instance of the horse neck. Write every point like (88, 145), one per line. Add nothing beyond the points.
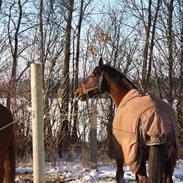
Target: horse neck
(117, 93)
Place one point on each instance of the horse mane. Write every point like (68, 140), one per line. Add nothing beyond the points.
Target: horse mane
(119, 78)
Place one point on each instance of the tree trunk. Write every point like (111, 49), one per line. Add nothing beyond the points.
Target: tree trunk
(0, 4)
(180, 92)
(146, 48)
(74, 131)
(170, 52)
(14, 51)
(152, 44)
(41, 37)
(42, 55)
(63, 129)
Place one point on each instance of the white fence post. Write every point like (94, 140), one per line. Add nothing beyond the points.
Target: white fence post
(37, 123)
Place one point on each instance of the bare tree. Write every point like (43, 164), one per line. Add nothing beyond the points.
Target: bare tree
(63, 130)
(83, 6)
(14, 52)
(152, 45)
(74, 130)
(180, 81)
(169, 5)
(141, 38)
(146, 46)
(0, 4)
(41, 36)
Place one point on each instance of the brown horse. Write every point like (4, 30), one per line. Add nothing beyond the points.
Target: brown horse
(144, 128)
(7, 153)
(87, 90)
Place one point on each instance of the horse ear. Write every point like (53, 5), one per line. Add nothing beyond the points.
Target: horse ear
(101, 62)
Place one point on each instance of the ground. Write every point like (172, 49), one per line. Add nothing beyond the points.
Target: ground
(75, 172)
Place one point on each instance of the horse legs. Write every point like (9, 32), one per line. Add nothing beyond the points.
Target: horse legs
(7, 170)
(9, 163)
(168, 171)
(1, 172)
(1, 165)
(119, 172)
(169, 165)
(141, 175)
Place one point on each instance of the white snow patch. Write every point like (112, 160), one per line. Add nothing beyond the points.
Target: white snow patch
(74, 172)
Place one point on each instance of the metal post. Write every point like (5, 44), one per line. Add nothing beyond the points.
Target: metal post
(37, 123)
(93, 135)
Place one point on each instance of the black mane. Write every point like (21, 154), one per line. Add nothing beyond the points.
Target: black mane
(119, 78)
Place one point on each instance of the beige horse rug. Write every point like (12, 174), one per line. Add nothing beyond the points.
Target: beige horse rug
(154, 116)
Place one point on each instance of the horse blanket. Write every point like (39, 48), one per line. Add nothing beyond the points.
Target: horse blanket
(155, 117)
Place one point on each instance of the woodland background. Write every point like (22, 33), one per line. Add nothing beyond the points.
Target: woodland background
(142, 38)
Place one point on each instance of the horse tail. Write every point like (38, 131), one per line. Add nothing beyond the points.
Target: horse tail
(156, 164)
(9, 163)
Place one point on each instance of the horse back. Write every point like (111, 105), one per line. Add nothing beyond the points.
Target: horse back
(156, 119)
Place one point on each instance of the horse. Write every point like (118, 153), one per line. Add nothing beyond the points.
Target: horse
(7, 148)
(144, 127)
(88, 90)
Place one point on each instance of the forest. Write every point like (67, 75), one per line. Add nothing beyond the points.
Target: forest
(141, 38)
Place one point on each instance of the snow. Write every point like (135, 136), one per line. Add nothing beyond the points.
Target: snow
(75, 172)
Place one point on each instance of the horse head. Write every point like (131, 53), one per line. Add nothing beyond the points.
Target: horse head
(93, 85)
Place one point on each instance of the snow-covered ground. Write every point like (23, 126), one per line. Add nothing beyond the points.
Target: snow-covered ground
(74, 172)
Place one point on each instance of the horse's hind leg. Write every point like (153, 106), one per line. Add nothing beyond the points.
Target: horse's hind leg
(7, 170)
(119, 172)
(169, 168)
(1, 173)
(169, 159)
(1, 165)
(141, 175)
(9, 164)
